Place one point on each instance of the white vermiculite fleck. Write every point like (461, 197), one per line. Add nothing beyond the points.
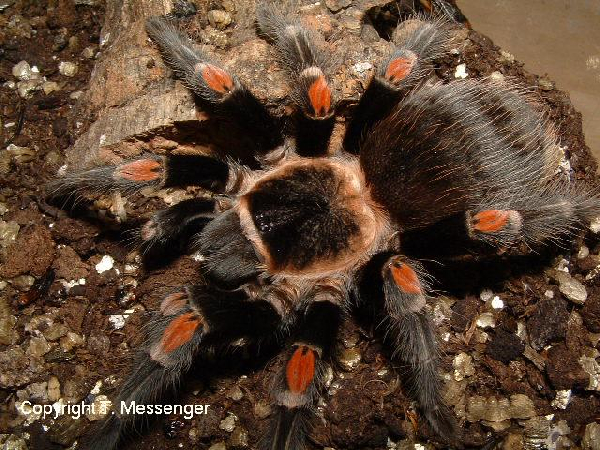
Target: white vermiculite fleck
(497, 303)
(461, 71)
(106, 263)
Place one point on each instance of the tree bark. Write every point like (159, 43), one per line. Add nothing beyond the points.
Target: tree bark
(139, 107)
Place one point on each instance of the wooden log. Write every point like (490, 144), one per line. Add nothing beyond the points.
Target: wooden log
(139, 107)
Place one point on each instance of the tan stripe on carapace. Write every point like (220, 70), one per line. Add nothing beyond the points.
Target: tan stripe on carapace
(319, 95)
(173, 303)
(140, 170)
(491, 220)
(406, 278)
(300, 369)
(399, 68)
(217, 79)
(179, 331)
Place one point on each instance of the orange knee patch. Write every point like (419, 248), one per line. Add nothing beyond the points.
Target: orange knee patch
(173, 303)
(319, 95)
(399, 68)
(300, 369)
(406, 278)
(491, 220)
(216, 78)
(179, 331)
(140, 170)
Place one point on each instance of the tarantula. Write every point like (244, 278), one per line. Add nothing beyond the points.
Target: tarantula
(304, 230)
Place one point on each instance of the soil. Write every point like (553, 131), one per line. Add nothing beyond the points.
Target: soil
(58, 310)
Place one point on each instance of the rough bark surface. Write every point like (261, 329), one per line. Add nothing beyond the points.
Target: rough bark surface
(136, 102)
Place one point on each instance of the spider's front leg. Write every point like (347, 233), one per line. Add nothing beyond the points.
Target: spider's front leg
(219, 91)
(224, 97)
(167, 232)
(149, 171)
(417, 43)
(307, 65)
(297, 386)
(188, 322)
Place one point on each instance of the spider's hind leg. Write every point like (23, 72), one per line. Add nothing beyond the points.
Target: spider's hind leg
(187, 322)
(297, 387)
(546, 215)
(407, 328)
(307, 66)
(418, 42)
(446, 9)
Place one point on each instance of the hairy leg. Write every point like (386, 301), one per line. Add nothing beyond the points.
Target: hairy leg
(306, 64)
(297, 386)
(544, 215)
(396, 289)
(417, 43)
(149, 171)
(188, 322)
(411, 333)
(219, 91)
(167, 234)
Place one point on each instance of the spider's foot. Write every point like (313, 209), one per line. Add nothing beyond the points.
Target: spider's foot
(182, 9)
(443, 423)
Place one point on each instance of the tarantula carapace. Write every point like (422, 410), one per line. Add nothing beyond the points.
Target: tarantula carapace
(285, 254)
